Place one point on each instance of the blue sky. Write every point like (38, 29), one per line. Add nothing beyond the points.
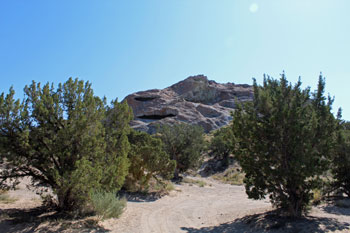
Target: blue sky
(128, 46)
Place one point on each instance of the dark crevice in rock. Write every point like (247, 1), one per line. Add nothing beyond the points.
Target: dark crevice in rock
(155, 117)
(143, 99)
(195, 100)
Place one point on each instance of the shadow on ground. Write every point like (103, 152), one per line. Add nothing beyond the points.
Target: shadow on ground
(332, 209)
(140, 197)
(42, 220)
(271, 222)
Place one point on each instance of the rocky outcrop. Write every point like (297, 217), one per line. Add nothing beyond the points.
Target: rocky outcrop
(195, 100)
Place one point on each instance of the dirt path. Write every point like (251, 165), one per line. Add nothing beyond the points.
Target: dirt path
(215, 208)
(188, 206)
(218, 208)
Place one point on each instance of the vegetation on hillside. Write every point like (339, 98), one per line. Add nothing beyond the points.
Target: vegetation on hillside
(147, 160)
(184, 143)
(221, 146)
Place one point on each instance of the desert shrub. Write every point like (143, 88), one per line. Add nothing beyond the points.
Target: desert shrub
(107, 205)
(341, 162)
(184, 143)
(162, 187)
(221, 146)
(345, 125)
(116, 162)
(169, 187)
(66, 139)
(283, 141)
(147, 159)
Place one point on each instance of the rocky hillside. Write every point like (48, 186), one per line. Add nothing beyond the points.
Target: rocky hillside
(195, 100)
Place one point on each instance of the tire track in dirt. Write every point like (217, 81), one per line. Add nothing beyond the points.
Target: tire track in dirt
(213, 208)
(190, 206)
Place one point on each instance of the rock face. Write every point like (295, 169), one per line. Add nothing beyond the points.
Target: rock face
(195, 100)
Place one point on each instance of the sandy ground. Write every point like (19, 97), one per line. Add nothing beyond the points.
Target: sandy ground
(189, 208)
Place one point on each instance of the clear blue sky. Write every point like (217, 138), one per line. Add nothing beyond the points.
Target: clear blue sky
(127, 46)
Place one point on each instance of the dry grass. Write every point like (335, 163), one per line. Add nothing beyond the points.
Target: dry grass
(317, 196)
(192, 182)
(163, 187)
(106, 205)
(5, 197)
(232, 176)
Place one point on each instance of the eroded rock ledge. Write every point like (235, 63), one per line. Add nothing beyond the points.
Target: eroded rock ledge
(195, 100)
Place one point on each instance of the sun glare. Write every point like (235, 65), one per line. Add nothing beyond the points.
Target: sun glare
(253, 8)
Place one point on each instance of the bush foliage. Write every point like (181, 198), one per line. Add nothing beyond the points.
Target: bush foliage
(64, 138)
(184, 143)
(71, 141)
(221, 146)
(341, 160)
(147, 159)
(283, 141)
(106, 204)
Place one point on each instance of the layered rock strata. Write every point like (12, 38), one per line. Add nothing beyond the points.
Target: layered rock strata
(195, 100)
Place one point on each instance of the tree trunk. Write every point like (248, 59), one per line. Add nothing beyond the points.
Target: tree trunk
(295, 209)
(65, 200)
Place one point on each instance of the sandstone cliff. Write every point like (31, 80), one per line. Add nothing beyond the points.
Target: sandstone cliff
(195, 100)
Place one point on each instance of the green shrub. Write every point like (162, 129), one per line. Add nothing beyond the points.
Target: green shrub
(147, 160)
(221, 146)
(65, 138)
(107, 205)
(184, 143)
(341, 162)
(283, 142)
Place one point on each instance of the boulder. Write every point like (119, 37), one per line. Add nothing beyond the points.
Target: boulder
(195, 100)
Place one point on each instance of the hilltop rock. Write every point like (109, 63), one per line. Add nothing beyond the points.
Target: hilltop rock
(195, 100)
